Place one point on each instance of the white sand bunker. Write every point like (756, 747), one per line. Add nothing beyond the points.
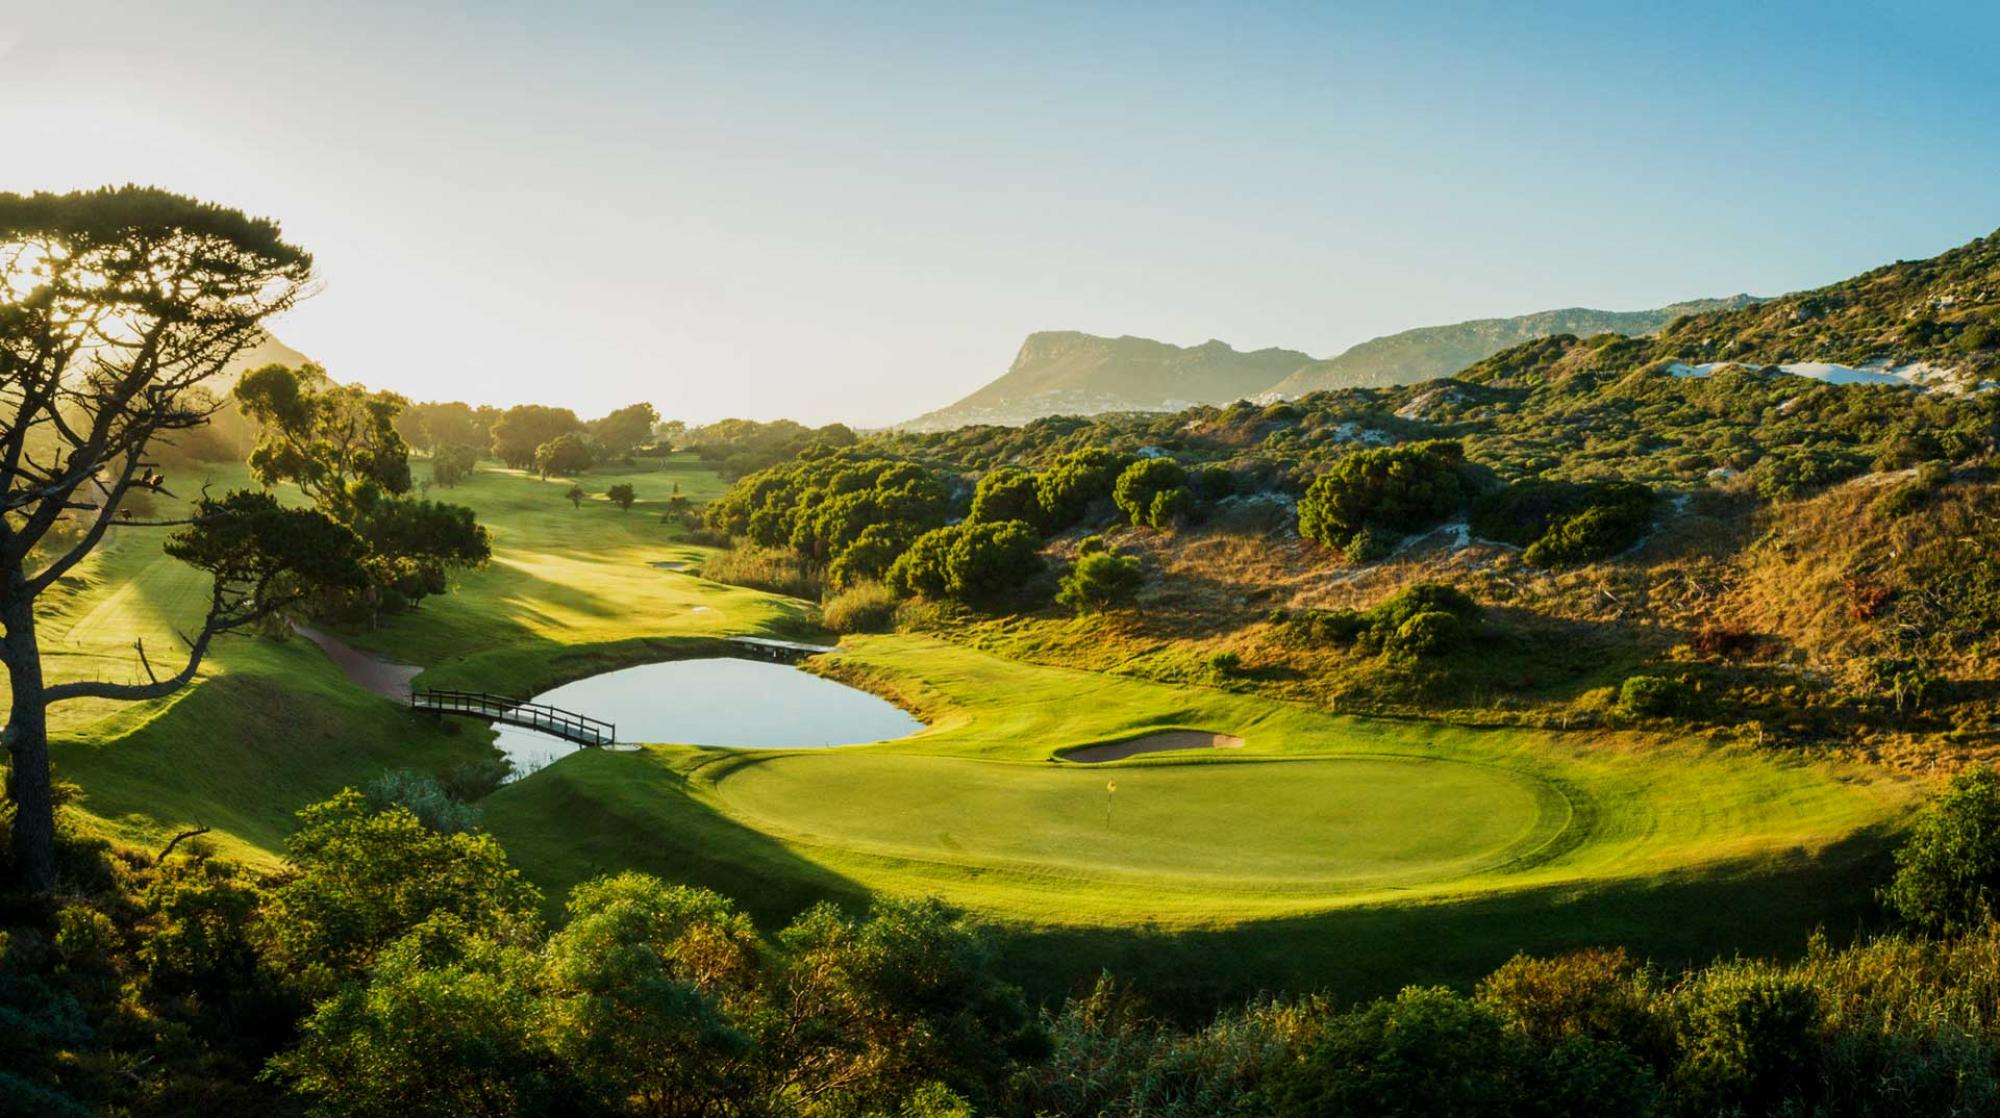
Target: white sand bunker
(673, 564)
(1165, 741)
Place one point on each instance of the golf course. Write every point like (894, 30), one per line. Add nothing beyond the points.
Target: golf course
(1302, 845)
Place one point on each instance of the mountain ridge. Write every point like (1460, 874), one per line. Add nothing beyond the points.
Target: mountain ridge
(1063, 372)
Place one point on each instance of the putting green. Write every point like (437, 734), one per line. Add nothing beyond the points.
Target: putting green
(1318, 826)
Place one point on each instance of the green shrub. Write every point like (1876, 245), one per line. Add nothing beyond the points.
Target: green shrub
(1153, 492)
(1395, 489)
(823, 501)
(869, 557)
(1008, 493)
(1225, 663)
(1748, 1038)
(988, 561)
(1431, 633)
(1428, 1052)
(1652, 696)
(1100, 580)
(1423, 621)
(1368, 545)
(1563, 523)
(970, 562)
(1795, 472)
(425, 797)
(863, 607)
(1598, 532)
(1948, 870)
(1074, 481)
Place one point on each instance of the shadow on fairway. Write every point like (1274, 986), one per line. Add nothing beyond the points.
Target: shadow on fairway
(1673, 922)
(600, 812)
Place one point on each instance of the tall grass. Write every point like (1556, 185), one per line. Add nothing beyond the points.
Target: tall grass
(764, 568)
(865, 607)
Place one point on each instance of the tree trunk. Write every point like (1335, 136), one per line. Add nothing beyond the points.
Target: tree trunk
(27, 736)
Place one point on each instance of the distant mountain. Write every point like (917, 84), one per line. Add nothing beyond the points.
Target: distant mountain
(267, 351)
(1429, 352)
(1067, 373)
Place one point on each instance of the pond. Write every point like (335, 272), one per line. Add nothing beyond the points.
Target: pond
(747, 704)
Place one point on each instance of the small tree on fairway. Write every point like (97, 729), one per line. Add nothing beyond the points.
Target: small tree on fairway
(622, 496)
(116, 306)
(575, 496)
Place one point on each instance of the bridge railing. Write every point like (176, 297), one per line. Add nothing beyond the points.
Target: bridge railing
(565, 724)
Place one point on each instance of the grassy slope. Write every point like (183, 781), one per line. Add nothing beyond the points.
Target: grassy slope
(270, 726)
(1687, 851)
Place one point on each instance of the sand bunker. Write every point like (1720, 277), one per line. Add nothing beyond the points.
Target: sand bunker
(1166, 741)
(673, 564)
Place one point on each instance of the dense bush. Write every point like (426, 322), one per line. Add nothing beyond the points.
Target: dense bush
(1563, 523)
(1008, 493)
(394, 970)
(1423, 621)
(1153, 492)
(821, 503)
(970, 562)
(1791, 473)
(1396, 490)
(1100, 580)
(1948, 872)
(1074, 481)
(1652, 696)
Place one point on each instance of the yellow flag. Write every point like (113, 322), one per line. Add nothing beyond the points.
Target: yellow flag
(1111, 786)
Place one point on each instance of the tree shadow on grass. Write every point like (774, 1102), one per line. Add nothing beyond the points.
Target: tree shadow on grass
(1673, 922)
(600, 812)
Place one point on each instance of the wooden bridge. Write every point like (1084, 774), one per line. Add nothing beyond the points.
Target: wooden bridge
(565, 724)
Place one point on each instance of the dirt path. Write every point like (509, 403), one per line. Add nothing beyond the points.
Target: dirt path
(1166, 741)
(386, 677)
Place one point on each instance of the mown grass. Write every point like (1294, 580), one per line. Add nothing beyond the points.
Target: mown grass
(1328, 850)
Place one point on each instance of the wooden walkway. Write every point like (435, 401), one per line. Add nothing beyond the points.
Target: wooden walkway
(565, 724)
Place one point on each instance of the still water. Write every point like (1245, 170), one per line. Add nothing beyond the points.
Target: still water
(716, 701)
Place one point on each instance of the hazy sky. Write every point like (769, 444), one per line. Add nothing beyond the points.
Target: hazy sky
(855, 212)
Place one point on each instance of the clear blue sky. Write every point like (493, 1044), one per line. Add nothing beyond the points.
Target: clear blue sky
(855, 212)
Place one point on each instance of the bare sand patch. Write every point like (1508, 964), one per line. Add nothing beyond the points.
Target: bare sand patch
(1165, 741)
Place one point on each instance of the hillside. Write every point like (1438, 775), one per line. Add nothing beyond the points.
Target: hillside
(1429, 352)
(1063, 372)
